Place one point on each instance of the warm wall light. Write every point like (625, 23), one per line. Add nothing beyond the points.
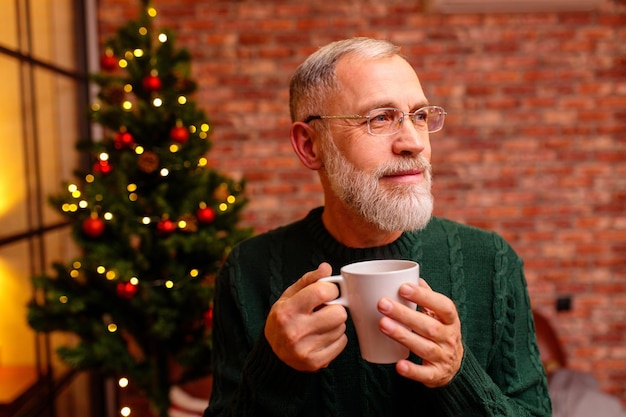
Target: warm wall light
(510, 6)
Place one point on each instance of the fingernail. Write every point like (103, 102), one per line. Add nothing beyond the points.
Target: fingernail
(384, 305)
(406, 290)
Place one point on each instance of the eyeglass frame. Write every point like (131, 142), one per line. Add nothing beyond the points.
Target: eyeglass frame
(411, 115)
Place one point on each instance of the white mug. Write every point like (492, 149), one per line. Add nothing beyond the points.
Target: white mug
(361, 286)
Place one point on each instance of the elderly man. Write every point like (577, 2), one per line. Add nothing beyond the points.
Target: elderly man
(362, 121)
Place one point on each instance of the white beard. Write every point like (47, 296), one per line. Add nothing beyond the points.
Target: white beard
(390, 207)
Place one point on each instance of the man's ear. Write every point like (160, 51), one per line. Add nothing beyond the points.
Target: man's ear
(305, 146)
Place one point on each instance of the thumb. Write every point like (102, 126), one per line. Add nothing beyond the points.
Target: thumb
(323, 270)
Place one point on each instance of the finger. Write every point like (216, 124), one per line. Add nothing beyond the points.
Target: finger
(433, 303)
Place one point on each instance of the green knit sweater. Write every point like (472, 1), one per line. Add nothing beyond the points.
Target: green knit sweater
(501, 373)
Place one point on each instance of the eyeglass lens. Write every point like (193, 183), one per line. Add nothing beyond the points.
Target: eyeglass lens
(388, 120)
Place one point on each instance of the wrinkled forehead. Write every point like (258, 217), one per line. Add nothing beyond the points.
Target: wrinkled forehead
(367, 83)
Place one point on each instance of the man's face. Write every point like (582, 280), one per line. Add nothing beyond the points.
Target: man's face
(384, 179)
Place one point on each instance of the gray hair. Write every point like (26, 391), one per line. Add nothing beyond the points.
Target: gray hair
(315, 79)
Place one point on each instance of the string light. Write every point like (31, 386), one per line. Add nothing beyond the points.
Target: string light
(182, 100)
(123, 382)
(157, 102)
(112, 327)
(123, 63)
(165, 172)
(138, 53)
(162, 37)
(127, 105)
(63, 299)
(143, 31)
(125, 411)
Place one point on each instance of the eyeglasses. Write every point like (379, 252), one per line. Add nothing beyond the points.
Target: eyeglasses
(388, 121)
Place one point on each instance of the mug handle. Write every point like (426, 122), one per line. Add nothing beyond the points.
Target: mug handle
(337, 279)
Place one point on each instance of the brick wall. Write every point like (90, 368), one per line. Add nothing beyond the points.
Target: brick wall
(534, 146)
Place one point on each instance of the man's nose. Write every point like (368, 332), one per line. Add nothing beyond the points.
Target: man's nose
(410, 140)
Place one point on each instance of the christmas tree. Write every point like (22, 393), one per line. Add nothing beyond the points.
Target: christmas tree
(152, 219)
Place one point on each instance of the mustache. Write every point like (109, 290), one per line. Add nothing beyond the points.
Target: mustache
(403, 165)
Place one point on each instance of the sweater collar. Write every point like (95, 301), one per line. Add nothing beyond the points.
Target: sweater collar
(340, 254)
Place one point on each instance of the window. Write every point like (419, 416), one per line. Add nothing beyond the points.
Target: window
(44, 97)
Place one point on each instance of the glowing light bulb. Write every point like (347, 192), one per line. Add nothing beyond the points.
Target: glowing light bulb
(123, 382)
(169, 284)
(162, 37)
(125, 411)
(157, 102)
(182, 100)
(112, 328)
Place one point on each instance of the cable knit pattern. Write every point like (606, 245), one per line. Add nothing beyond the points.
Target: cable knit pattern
(476, 269)
(508, 318)
(499, 293)
(458, 293)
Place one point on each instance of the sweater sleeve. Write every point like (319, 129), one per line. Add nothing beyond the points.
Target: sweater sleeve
(514, 384)
(248, 378)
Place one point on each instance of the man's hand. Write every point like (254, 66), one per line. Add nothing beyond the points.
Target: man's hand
(302, 331)
(434, 334)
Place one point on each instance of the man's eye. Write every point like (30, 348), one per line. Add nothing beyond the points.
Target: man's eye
(421, 116)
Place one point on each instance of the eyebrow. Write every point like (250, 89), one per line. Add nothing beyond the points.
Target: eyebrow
(389, 104)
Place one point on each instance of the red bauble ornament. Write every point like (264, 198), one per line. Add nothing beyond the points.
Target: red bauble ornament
(123, 140)
(102, 167)
(205, 215)
(108, 62)
(152, 83)
(179, 134)
(166, 227)
(208, 318)
(93, 226)
(126, 290)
